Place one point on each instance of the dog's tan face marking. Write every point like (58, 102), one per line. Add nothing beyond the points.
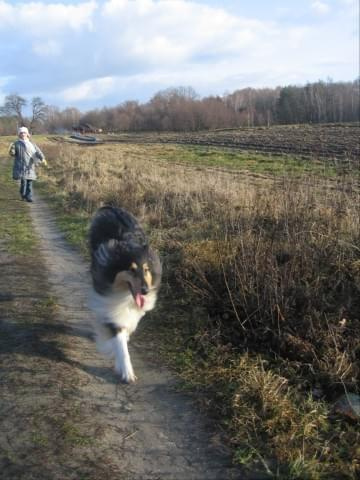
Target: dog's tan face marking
(147, 275)
(134, 267)
(132, 276)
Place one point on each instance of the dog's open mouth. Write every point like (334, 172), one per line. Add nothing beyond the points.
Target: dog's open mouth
(138, 296)
(140, 300)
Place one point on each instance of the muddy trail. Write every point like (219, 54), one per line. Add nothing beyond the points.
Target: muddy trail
(63, 414)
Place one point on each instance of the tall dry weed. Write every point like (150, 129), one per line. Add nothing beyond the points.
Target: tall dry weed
(269, 267)
(273, 263)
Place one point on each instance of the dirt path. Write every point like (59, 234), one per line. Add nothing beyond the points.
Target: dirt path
(143, 431)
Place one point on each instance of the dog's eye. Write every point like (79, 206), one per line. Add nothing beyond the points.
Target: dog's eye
(133, 268)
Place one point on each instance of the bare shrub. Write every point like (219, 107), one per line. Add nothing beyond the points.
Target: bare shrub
(273, 264)
(267, 267)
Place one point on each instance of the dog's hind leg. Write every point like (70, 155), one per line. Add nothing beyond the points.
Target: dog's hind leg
(123, 364)
(104, 335)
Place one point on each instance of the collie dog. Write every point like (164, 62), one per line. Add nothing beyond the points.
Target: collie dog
(126, 275)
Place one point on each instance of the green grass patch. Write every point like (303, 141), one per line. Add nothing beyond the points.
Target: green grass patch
(39, 439)
(259, 163)
(75, 229)
(16, 230)
(72, 222)
(72, 435)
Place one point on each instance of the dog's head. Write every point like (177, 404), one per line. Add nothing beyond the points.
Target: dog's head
(140, 274)
(122, 261)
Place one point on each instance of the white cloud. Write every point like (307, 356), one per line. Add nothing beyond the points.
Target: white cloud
(3, 82)
(6, 11)
(40, 19)
(320, 7)
(351, 3)
(93, 89)
(174, 31)
(51, 48)
(96, 49)
(296, 36)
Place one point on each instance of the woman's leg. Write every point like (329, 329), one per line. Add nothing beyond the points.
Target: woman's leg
(28, 193)
(23, 188)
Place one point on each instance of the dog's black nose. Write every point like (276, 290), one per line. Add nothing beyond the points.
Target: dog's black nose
(144, 289)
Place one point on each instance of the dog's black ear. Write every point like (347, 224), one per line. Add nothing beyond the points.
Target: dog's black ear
(117, 255)
(105, 253)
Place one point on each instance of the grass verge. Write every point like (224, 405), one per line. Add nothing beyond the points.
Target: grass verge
(46, 430)
(260, 305)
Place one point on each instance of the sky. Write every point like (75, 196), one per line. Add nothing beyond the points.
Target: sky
(91, 53)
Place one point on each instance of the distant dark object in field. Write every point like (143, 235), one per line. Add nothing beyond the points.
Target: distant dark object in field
(77, 139)
(85, 138)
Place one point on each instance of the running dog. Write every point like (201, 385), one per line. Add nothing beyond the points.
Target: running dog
(126, 275)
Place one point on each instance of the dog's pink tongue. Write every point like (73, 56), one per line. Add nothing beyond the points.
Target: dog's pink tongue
(140, 300)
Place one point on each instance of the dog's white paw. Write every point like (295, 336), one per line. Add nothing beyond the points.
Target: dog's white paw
(126, 373)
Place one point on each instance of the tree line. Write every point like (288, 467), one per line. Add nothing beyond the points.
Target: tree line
(181, 109)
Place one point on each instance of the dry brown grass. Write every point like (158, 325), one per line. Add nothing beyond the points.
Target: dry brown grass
(267, 272)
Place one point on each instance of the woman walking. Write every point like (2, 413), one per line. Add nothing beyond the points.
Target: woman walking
(27, 157)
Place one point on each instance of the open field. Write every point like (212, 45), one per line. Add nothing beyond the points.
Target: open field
(338, 142)
(260, 308)
(64, 415)
(332, 141)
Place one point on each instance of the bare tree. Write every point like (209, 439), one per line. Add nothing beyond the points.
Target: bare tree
(181, 109)
(13, 107)
(39, 111)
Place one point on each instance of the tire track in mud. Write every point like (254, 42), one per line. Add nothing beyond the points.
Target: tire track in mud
(145, 431)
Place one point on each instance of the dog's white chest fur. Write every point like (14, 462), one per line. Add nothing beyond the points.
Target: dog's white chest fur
(120, 310)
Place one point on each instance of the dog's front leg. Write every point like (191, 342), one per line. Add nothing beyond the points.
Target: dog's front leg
(122, 358)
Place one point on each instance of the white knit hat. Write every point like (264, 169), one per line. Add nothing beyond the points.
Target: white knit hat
(23, 130)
